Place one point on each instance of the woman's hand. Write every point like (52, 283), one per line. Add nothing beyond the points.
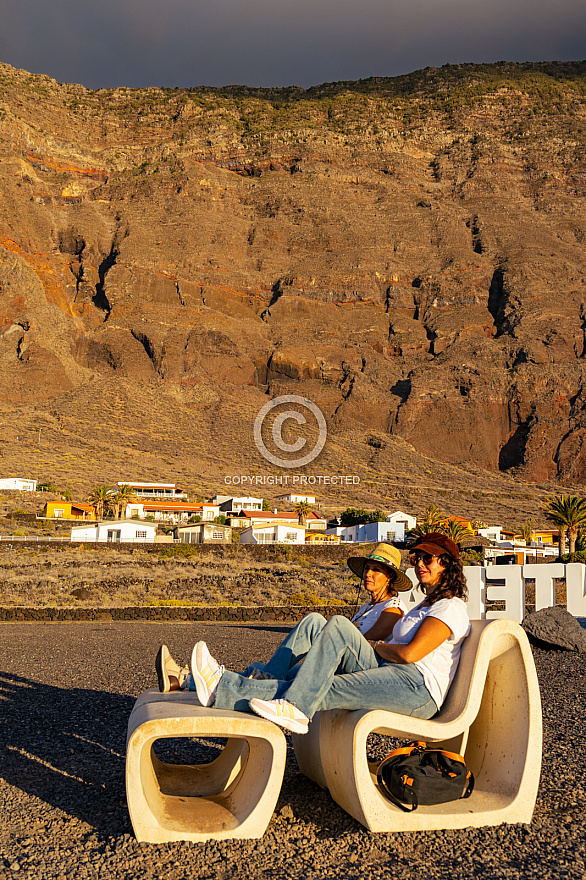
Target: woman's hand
(430, 635)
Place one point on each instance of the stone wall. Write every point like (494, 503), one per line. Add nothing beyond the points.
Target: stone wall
(220, 613)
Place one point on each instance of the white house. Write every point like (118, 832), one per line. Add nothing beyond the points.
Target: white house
(370, 533)
(402, 519)
(266, 518)
(204, 533)
(171, 511)
(17, 485)
(491, 533)
(115, 531)
(166, 491)
(518, 553)
(233, 504)
(277, 533)
(295, 498)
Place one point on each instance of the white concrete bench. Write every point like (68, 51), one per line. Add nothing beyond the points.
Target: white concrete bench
(234, 796)
(492, 715)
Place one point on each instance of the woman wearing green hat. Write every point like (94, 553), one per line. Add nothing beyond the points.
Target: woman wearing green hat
(381, 578)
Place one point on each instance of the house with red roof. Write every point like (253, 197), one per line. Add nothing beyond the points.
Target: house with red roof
(257, 518)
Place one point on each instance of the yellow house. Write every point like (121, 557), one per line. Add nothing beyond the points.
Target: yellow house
(69, 510)
(542, 536)
(546, 536)
(321, 538)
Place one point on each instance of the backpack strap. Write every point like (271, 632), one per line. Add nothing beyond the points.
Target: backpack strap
(413, 802)
(469, 785)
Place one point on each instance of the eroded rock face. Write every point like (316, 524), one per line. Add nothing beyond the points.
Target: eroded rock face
(414, 270)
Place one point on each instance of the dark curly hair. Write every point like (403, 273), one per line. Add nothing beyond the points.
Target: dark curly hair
(452, 583)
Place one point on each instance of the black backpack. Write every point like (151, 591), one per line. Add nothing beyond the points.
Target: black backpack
(417, 775)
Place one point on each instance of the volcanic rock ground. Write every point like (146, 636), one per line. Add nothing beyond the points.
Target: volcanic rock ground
(407, 253)
(67, 691)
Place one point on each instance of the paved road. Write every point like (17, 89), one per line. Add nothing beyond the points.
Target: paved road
(66, 692)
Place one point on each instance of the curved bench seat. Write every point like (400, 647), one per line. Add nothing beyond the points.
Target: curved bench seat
(234, 796)
(492, 716)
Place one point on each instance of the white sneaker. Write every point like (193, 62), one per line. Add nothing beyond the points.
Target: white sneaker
(283, 713)
(206, 673)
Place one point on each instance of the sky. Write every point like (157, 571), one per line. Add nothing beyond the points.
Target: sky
(108, 43)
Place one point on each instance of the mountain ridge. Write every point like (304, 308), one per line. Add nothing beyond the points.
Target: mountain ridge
(406, 253)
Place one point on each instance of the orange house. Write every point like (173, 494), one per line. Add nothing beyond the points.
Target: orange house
(68, 510)
(459, 519)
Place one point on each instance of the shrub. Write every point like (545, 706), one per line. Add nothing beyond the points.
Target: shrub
(304, 597)
(472, 557)
(172, 603)
(179, 550)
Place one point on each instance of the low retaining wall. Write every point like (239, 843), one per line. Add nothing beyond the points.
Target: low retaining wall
(212, 613)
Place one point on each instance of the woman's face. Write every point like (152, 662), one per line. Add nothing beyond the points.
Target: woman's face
(428, 570)
(376, 580)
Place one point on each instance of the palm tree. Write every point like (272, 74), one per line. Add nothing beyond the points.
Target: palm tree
(581, 541)
(455, 529)
(567, 512)
(100, 497)
(123, 495)
(527, 531)
(430, 522)
(303, 510)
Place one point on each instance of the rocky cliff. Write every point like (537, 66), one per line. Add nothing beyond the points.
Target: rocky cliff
(407, 253)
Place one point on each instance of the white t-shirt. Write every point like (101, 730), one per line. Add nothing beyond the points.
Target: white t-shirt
(368, 614)
(439, 666)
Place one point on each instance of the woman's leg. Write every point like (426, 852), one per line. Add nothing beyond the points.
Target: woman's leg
(339, 647)
(292, 648)
(395, 687)
(340, 650)
(342, 671)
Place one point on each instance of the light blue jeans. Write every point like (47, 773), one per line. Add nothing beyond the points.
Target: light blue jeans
(283, 664)
(340, 671)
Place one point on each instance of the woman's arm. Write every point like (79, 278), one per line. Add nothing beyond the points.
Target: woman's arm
(383, 627)
(429, 636)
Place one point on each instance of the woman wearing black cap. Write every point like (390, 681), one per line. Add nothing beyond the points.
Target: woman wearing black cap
(409, 673)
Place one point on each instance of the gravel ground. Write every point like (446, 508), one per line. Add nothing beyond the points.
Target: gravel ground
(67, 691)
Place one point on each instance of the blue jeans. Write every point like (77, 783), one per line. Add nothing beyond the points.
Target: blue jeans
(283, 663)
(340, 671)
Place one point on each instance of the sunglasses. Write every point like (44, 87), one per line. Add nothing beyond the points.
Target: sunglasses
(414, 558)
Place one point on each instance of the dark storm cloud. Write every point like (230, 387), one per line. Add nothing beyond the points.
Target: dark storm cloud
(273, 42)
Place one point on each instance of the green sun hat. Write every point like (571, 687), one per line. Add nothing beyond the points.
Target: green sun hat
(391, 558)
